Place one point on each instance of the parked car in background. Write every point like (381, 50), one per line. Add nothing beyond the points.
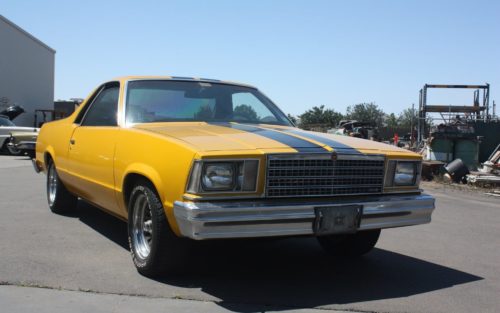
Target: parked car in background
(6, 128)
(23, 142)
(11, 112)
(355, 128)
(207, 159)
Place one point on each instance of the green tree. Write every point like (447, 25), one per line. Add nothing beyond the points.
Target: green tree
(292, 118)
(366, 112)
(246, 112)
(391, 121)
(204, 112)
(320, 116)
(405, 118)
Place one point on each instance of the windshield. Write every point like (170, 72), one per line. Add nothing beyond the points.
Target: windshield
(6, 122)
(151, 101)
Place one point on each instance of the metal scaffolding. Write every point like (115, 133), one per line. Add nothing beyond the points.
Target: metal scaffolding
(478, 111)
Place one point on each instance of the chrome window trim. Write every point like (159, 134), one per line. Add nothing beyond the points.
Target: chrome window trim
(91, 104)
(88, 106)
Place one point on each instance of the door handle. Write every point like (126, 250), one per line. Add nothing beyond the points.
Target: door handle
(72, 141)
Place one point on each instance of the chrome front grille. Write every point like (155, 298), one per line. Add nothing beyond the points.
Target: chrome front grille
(292, 175)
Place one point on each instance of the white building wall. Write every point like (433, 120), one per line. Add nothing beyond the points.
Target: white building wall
(26, 72)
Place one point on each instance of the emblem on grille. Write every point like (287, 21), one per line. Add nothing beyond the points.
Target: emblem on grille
(334, 156)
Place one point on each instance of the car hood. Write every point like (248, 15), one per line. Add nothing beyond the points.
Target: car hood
(236, 136)
(12, 111)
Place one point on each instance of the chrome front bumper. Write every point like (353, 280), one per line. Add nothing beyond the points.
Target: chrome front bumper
(265, 218)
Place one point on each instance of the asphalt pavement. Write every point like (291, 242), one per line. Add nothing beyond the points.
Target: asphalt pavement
(49, 263)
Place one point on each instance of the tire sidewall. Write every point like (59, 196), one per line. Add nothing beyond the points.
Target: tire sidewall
(64, 202)
(52, 167)
(143, 263)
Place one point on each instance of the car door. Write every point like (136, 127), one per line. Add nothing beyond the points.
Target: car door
(92, 147)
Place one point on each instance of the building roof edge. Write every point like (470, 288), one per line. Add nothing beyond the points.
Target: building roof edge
(18, 28)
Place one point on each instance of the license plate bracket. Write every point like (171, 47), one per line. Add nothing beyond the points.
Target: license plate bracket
(338, 219)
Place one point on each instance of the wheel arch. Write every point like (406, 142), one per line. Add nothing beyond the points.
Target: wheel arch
(137, 173)
(48, 155)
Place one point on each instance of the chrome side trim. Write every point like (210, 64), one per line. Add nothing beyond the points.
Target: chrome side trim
(264, 218)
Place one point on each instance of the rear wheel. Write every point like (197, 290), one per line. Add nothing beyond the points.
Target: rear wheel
(3, 148)
(154, 247)
(59, 198)
(350, 245)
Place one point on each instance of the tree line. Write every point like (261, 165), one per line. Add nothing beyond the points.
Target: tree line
(319, 116)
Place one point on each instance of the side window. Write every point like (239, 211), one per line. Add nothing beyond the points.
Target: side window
(103, 111)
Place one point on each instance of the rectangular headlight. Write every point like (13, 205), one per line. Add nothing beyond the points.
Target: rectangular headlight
(218, 176)
(402, 173)
(405, 174)
(223, 176)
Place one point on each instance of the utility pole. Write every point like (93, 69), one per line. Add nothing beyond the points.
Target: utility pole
(411, 125)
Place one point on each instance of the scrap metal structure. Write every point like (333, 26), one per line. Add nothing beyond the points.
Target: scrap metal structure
(478, 111)
(454, 135)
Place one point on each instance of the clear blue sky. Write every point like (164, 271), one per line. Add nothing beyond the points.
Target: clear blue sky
(300, 53)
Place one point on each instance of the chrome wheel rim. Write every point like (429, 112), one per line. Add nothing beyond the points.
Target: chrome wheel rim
(52, 184)
(142, 227)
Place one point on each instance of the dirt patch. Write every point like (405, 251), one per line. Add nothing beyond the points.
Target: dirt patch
(441, 185)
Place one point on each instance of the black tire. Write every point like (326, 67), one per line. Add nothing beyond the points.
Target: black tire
(165, 251)
(60, 200)
(350, 245)
(3, 148)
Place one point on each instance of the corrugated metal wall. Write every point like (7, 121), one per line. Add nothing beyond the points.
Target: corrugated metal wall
(491, 138)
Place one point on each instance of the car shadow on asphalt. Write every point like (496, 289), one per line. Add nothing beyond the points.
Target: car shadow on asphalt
(254, 275)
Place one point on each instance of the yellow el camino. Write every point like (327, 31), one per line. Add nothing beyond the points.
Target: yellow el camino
(204, 159)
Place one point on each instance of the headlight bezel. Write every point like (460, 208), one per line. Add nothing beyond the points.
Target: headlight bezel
(392, 170)
(247, 168)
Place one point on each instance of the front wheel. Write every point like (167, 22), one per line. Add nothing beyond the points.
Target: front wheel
(13, 150)
(154, 247)
(350, 245)
(59, 198)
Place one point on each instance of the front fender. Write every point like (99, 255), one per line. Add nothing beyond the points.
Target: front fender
(147, 171)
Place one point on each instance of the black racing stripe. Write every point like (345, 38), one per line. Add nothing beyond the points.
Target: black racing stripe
(298, 144)
(329, 142)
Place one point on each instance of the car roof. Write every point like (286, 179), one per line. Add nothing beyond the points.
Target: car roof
(183, 78)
